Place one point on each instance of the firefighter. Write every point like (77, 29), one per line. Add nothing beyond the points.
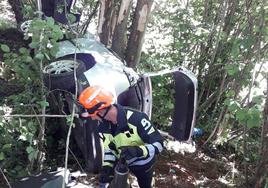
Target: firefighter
(124, 132)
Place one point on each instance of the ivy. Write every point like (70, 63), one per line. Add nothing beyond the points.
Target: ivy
(5, 48)
(19, 136)
(2, 156)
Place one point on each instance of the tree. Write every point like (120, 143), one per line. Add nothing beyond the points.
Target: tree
(17, 9)
(114, 31)
(262, 167)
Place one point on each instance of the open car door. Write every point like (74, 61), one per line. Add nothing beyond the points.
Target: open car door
(185, 104)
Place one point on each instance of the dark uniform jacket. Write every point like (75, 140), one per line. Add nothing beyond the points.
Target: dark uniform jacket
(133, 129)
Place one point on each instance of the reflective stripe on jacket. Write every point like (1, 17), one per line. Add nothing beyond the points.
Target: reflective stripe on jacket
(133, 129)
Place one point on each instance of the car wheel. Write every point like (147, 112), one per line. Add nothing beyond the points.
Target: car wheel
(88, 140)
(60, 74)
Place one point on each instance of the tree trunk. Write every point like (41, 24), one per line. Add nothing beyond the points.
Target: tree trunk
(137, 32)
(120, 32)
(262, 168)
(112, 27)
(106, 17)
(16, 6)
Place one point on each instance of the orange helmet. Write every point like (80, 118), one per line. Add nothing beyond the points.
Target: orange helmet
(95, 98)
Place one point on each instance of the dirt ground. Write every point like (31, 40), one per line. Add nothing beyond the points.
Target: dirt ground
(189, 170)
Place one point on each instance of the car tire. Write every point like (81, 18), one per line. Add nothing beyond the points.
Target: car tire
(88, 140)
(62, 80)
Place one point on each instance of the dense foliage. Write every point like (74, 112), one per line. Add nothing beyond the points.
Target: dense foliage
(23, 66)
(225, 44)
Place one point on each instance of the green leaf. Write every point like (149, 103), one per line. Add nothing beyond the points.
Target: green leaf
(227, 102)
(32, 127)
(235, 48)
(53, 51)
(170, 105)
(38, 24)
(29, 137)
(33, 45)
(28, 59)
(233, 107)
(235, 52)
(251, 123)
(228, 116)
(258, 99)
(2, 156)
(56, 35)
(69, 119)
(5, 48)
(43, 103)
(29, 149)
(32, 155)
(254, 118)
(6, 146)
(231, 69)
(248, 42)
(71, 18)
(240, 115)
(39, 56)
(23, 51)
(50, 21)
(230, 93)
(60, 35)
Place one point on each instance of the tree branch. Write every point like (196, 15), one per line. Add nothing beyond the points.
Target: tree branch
(90, 16)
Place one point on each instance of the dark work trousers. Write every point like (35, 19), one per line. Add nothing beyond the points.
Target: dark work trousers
(144, 174)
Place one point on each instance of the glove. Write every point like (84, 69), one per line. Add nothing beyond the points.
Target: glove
(106, 175)
(130, 152)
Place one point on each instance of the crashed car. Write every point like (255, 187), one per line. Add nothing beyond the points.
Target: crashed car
(94, 64)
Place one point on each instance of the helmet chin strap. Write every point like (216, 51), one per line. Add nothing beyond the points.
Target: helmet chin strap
(106, 112)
